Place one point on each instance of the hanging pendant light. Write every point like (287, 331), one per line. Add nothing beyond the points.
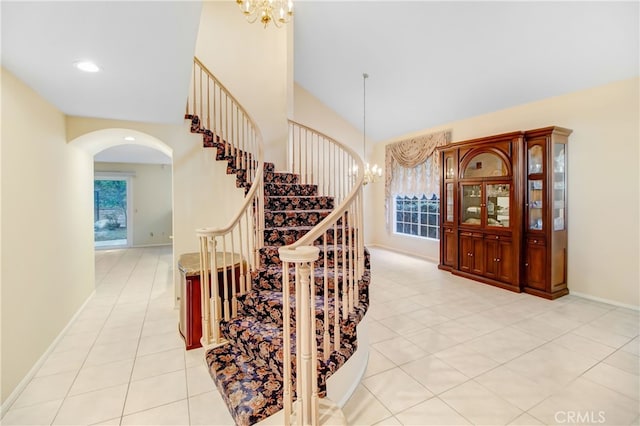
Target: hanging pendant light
(371, 173)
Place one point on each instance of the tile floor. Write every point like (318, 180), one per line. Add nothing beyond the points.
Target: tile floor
(443, 351)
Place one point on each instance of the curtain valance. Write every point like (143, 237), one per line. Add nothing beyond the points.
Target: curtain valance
(409, 154)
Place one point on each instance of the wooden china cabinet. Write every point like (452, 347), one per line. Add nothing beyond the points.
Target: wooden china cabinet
(498, 194)
(545, 223)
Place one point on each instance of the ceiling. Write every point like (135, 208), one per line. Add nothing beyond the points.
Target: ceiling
(429, 62)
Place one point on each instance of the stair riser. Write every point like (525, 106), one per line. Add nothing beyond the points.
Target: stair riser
(279, 177)
(273, 189)
(273, 219)
(282, 203)
(284, 237)
(270, 256)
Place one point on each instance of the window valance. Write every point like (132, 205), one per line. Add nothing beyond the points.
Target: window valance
(409, 154)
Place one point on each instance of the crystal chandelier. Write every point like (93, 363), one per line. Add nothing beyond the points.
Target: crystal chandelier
(371, 173)
(278, 11)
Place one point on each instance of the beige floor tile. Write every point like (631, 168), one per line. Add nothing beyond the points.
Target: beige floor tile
(624, 361)
(602, 335)
(431, 412)
(209, 409)
(160, 342)
(620, 381)
(466, 360)
(430, 340)
(379, 332)
(61, 362)
(584, 345)
(155, 391)
(456, 331)
(158, 363)
(102, 376)
(377, 363)
(117, 334)
(199, 381)
(479, 405)
(399, 350)
(521, 391)
(364, 409)
(435, 374)
(402, 324)
(175, 413)
(194, 357)
(539, 329)
(505, 344)
(551, 364)
(396, 390)
(84, 409)
(46, 388)
(38, 414)
(526, 419)
(633, 347)
(588, 399)
(389, 421)
(112, 352)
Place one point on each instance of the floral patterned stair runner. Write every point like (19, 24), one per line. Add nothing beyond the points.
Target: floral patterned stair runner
(248, 370)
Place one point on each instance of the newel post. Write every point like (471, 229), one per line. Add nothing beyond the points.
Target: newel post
(306, 344)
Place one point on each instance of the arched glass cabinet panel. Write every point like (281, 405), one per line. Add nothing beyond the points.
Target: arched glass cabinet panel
(485, 164)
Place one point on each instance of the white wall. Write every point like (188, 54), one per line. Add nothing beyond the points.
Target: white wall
(152, 198)
(47, 237)
(251, 62)
(603, 187)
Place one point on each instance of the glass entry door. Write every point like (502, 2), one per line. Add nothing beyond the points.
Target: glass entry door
(111, 217)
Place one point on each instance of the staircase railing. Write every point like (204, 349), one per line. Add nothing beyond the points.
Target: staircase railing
(322, 161)
(232, 249)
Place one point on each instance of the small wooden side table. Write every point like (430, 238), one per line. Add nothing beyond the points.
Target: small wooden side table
(190, 325)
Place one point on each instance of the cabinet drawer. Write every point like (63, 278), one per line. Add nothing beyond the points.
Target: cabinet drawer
(536, 241)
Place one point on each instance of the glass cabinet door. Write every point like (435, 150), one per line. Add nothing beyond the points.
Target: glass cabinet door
(498, 204)
(448, 167)
(471, 204)
(559, 186)
(535, 205)
(534, 158)
(449, 203)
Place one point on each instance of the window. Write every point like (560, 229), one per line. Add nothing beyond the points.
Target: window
(418, 216)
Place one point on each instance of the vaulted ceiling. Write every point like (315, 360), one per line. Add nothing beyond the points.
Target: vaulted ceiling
(429, 62)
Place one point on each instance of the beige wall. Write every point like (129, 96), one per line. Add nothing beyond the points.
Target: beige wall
(254, 68)
(47, 239)
(199, 181)
(152, 210)
(603, 154)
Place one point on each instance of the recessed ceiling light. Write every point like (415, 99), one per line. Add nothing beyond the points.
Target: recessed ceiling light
(129, 138)
(86, 66)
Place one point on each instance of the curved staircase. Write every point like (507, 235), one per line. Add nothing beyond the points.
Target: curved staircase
(257, 328)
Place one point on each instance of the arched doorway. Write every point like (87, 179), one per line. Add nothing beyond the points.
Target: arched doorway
(132, 188)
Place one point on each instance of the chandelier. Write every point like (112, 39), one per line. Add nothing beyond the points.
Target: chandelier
(371, 173)
(278, 11)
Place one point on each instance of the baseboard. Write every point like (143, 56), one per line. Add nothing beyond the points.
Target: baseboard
(407, 253)
(152, 245)
(6, 405)
(603, 300)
